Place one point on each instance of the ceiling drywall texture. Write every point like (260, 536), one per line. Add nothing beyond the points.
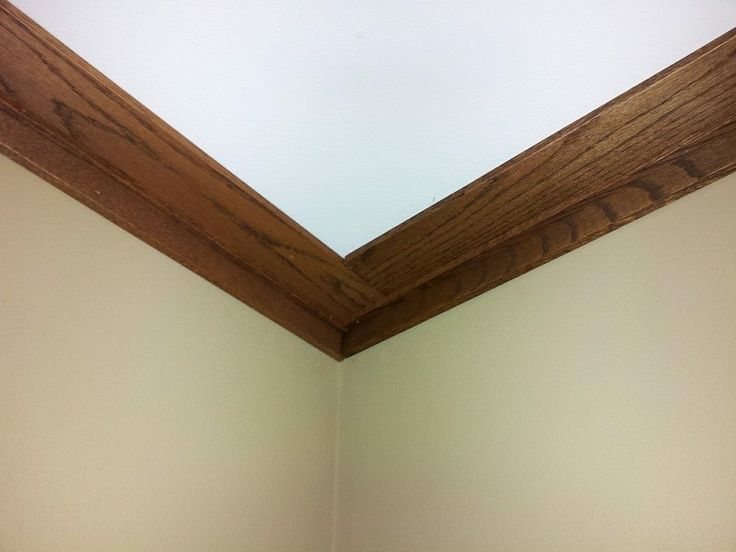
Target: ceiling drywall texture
(353, 116)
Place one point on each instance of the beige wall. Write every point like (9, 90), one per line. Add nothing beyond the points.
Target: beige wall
(141, 408)
(588, 405)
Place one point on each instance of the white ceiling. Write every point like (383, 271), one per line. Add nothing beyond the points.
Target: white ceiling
(352, 116)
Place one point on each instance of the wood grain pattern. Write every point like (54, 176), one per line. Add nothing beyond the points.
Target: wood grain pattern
(102, 192)
(694, 166)
(46, 87)
(69, 124)
(678, 106)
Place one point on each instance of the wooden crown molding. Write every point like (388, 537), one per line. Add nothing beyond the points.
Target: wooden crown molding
(668, 136)
(72, 126)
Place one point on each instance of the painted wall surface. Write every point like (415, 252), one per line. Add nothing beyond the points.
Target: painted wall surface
(353, 116)
(587, 405)
(142, 408)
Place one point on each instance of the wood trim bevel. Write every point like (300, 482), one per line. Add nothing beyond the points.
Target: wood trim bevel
(653, 120)
(94, 118)
(671, 178)
(103, 193)
(72, 126)
(83, 119)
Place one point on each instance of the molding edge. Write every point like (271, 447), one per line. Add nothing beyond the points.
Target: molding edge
(70, 125)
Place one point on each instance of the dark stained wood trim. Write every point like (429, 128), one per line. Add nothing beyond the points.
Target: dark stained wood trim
(69, 124)
(77, 106)
(664, 181)
(680, 105)
(49, 90)
(94, 187)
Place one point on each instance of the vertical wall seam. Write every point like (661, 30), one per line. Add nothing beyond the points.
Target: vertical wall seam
(336, 458)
